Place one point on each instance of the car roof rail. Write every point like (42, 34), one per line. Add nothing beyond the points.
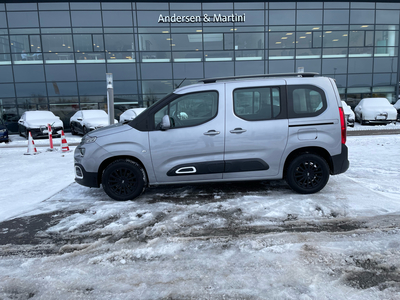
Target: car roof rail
(213, 80)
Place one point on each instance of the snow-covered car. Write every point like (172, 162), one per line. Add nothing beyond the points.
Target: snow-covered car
(349, 114)
(397, 107)
(375, 111)
(36, 122)
(130, 114)
(3, 132)
(84, 121)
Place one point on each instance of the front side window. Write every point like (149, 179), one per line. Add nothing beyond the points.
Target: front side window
(306, 101)
(189, 110)
(258, 103)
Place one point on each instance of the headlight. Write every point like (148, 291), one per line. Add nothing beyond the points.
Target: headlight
(2, 130)
(88, 139)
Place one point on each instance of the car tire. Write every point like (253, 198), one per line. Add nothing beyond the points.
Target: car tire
(124, 180)
(85, 130)
(307, 173)
(73, 132)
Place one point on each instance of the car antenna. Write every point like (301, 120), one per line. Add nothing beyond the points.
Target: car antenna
(180, 84)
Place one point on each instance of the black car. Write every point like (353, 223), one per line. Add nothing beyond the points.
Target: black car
(3, 132)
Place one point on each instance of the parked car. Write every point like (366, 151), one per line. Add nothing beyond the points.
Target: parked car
(130, 114)
(3, 132)
(375, 111)
(397, 107)
(251, 128)
(349, 114)
(84, 121)
(36, 122)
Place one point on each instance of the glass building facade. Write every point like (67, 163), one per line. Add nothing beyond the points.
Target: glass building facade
(54, 55)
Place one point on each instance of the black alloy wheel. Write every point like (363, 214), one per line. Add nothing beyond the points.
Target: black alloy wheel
(307, 173)
(124, 180)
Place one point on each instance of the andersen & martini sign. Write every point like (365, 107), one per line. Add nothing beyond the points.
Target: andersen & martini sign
(206, 18)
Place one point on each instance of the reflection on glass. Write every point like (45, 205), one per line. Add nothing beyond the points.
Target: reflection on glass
(59, 58)
(155, 42)
(249, 41)
(282, 39)
(218, 41)
(281, 54)
(182, 42)
(156, 56)
(120, 57)
(156, 87)
(57, 43)
(90, 57)
(218, 55)
(88, 42)
(334, 52)
(249, 55)
(5, 59)
(360, 52)
(308, 53)
(335, 38)
(385, 51)
(119, 42)
(28, 58)
(187, 56)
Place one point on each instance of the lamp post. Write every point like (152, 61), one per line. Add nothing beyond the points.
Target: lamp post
(110, 97)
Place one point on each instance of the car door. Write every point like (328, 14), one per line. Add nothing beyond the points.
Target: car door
(256, 129)
(192, 149)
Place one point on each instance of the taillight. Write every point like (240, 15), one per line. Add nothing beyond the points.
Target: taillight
(343, 125)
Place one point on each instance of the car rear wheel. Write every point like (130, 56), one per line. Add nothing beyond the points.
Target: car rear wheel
(124, 180)
(307, 173)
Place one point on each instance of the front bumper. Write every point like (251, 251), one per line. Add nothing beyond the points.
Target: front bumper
(3, 137)
(42, 132)
(84, 178)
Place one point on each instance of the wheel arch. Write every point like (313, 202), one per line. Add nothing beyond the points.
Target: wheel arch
(110, 160)
(312, 150)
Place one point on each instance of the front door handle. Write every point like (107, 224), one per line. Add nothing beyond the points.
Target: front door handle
(211, 132)
(238, 130)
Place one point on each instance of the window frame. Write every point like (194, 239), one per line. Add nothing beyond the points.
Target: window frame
(292, 114)
(153, 113)
(282, 97)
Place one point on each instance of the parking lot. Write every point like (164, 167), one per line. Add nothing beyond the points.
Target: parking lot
(247, 240)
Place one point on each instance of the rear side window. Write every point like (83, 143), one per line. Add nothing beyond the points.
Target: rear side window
(257, 103)
(306, 101)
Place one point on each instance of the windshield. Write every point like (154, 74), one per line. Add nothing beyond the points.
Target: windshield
(39, 115)
(90, 114)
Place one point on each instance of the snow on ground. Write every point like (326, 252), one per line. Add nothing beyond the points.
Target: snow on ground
(249, 240)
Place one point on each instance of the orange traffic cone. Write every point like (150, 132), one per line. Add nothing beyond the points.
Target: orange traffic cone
(31, 146)
(64, 144)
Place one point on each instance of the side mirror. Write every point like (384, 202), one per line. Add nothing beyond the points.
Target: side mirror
(165, 123)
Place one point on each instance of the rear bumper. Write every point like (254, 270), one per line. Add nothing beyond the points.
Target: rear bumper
(340, 163)
(84, 178)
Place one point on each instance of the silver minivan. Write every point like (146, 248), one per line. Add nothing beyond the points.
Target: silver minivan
(260, 127)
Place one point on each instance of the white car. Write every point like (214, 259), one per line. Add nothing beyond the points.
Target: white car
(397, 107)
(130, 114)
(375, 111)
(36, 123)
(348, 112)
(84, 121)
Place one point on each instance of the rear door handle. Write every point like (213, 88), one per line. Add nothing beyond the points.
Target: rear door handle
(238, 130)
(211, 132)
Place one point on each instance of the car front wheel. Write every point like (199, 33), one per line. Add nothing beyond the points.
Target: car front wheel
(124, 180)
(307, 173)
